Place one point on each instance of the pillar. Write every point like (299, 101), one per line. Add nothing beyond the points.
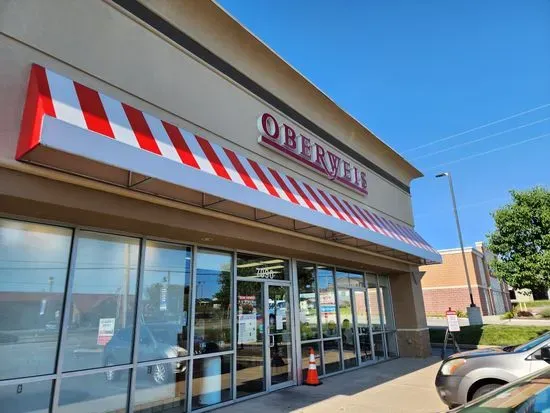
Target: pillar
(410, 317)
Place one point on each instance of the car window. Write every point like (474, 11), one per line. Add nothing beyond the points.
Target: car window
(532, 344)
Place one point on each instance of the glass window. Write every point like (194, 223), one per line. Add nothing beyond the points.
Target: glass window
(347, 327)
(102, 314)
(165, 301)
(305, 358)
(331, 351)
(211, 381)
(213, 302)
(374, 305)
(253, 266)
(250, 338)
(327, 302)
(387, 311)
(391, 340)
(379, 353)
(33, 272)
(346, 278)
(93, 394)
(152, 394)
(308, 301)
(26, 398)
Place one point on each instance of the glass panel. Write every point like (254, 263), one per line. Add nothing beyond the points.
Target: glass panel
(26, 398)
(213, 302)
(392, 345)
(280, 336)
(103, 299)
(160, 392)
(362, 318)
(332, 356)
(33, 272)
(254, 266)
(211, 381)
(387, 313)
(327, 302)
(374, 305)
(250, 338)
(305, 358)
(308, 301)
(378, 340)
(165, 295)
(346, 278)
(93, 394)
(347, 327)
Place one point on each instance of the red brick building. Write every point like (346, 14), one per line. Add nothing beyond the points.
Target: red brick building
(444, 285)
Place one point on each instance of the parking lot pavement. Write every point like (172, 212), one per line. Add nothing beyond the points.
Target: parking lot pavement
(402, 385)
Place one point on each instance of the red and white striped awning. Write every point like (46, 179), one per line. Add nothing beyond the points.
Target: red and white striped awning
(64, 116)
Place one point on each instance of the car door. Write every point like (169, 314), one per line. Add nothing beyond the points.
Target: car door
(535, 360)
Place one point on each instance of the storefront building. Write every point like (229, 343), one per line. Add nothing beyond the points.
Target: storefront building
(183, 215)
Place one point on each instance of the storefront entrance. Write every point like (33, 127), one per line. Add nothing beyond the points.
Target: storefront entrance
(264, 360)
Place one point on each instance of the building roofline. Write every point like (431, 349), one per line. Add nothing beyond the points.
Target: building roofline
(317, 89)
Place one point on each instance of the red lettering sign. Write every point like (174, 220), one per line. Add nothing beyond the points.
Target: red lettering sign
(311, 152)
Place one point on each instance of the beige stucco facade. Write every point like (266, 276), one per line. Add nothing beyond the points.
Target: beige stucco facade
(103, 46)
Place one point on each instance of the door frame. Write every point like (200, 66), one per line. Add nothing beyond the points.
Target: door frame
(267, 336)
(364, 290)
(267, 360)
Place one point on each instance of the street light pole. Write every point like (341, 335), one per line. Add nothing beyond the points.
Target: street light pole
(448, 175)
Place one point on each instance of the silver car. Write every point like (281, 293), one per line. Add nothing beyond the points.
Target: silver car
(466, 376)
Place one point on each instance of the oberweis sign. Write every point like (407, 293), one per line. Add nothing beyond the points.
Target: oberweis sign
(281, 137)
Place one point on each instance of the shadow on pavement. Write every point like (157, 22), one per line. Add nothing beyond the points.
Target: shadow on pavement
(404, 384)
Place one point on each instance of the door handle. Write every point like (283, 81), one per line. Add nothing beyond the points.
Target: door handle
(271, 340)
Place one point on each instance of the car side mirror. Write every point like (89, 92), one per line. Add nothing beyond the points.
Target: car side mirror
(545, 354)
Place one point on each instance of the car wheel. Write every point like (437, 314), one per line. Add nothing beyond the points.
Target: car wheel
(485, 389)
(159, 375)
(111, 375)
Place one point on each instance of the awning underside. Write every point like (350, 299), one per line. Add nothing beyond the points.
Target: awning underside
(70, 127)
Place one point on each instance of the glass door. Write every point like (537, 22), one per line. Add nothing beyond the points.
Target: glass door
(279, 343)
(347, 327)
(363, 330)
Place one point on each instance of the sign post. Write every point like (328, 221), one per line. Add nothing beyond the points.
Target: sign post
(453, 326)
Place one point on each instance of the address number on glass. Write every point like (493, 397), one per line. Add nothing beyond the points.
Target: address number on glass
(265, 273)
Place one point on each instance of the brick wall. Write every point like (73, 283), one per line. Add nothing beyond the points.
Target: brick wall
(458, 298)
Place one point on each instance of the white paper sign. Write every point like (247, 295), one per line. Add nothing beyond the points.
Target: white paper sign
(247, 328)
(105, 331)
(279, 322)
(452, 321)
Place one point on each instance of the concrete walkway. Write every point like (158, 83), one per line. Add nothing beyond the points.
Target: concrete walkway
(402, 385)
(492, 319)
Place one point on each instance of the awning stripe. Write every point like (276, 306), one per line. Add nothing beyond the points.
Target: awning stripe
(74, 103)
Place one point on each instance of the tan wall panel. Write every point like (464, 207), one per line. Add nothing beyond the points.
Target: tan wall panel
(95, 41)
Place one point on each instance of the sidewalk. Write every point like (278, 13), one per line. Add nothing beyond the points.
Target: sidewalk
(402, 385)
(491, 319)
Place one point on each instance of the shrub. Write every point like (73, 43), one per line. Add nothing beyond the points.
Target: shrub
(461, 314)
(509, 315)
(525, 314)
(545, 312)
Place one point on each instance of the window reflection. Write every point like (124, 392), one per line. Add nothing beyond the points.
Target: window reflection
(331, 353)
(212, 305)
(165, 295)
(168, 396)
(27, 397)
(254, 266)
(92, 393)
(308, 301)
(374, 305)
(33, 271)
(102, 313)
(327, 302)
(211, 381)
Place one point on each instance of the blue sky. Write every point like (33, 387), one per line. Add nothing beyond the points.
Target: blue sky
(417, 71)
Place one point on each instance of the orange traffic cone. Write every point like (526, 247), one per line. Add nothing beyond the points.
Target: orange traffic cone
(312, 379)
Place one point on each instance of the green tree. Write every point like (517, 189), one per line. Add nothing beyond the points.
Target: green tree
(521, 240)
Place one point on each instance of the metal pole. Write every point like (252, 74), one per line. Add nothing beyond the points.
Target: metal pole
(472, 304)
